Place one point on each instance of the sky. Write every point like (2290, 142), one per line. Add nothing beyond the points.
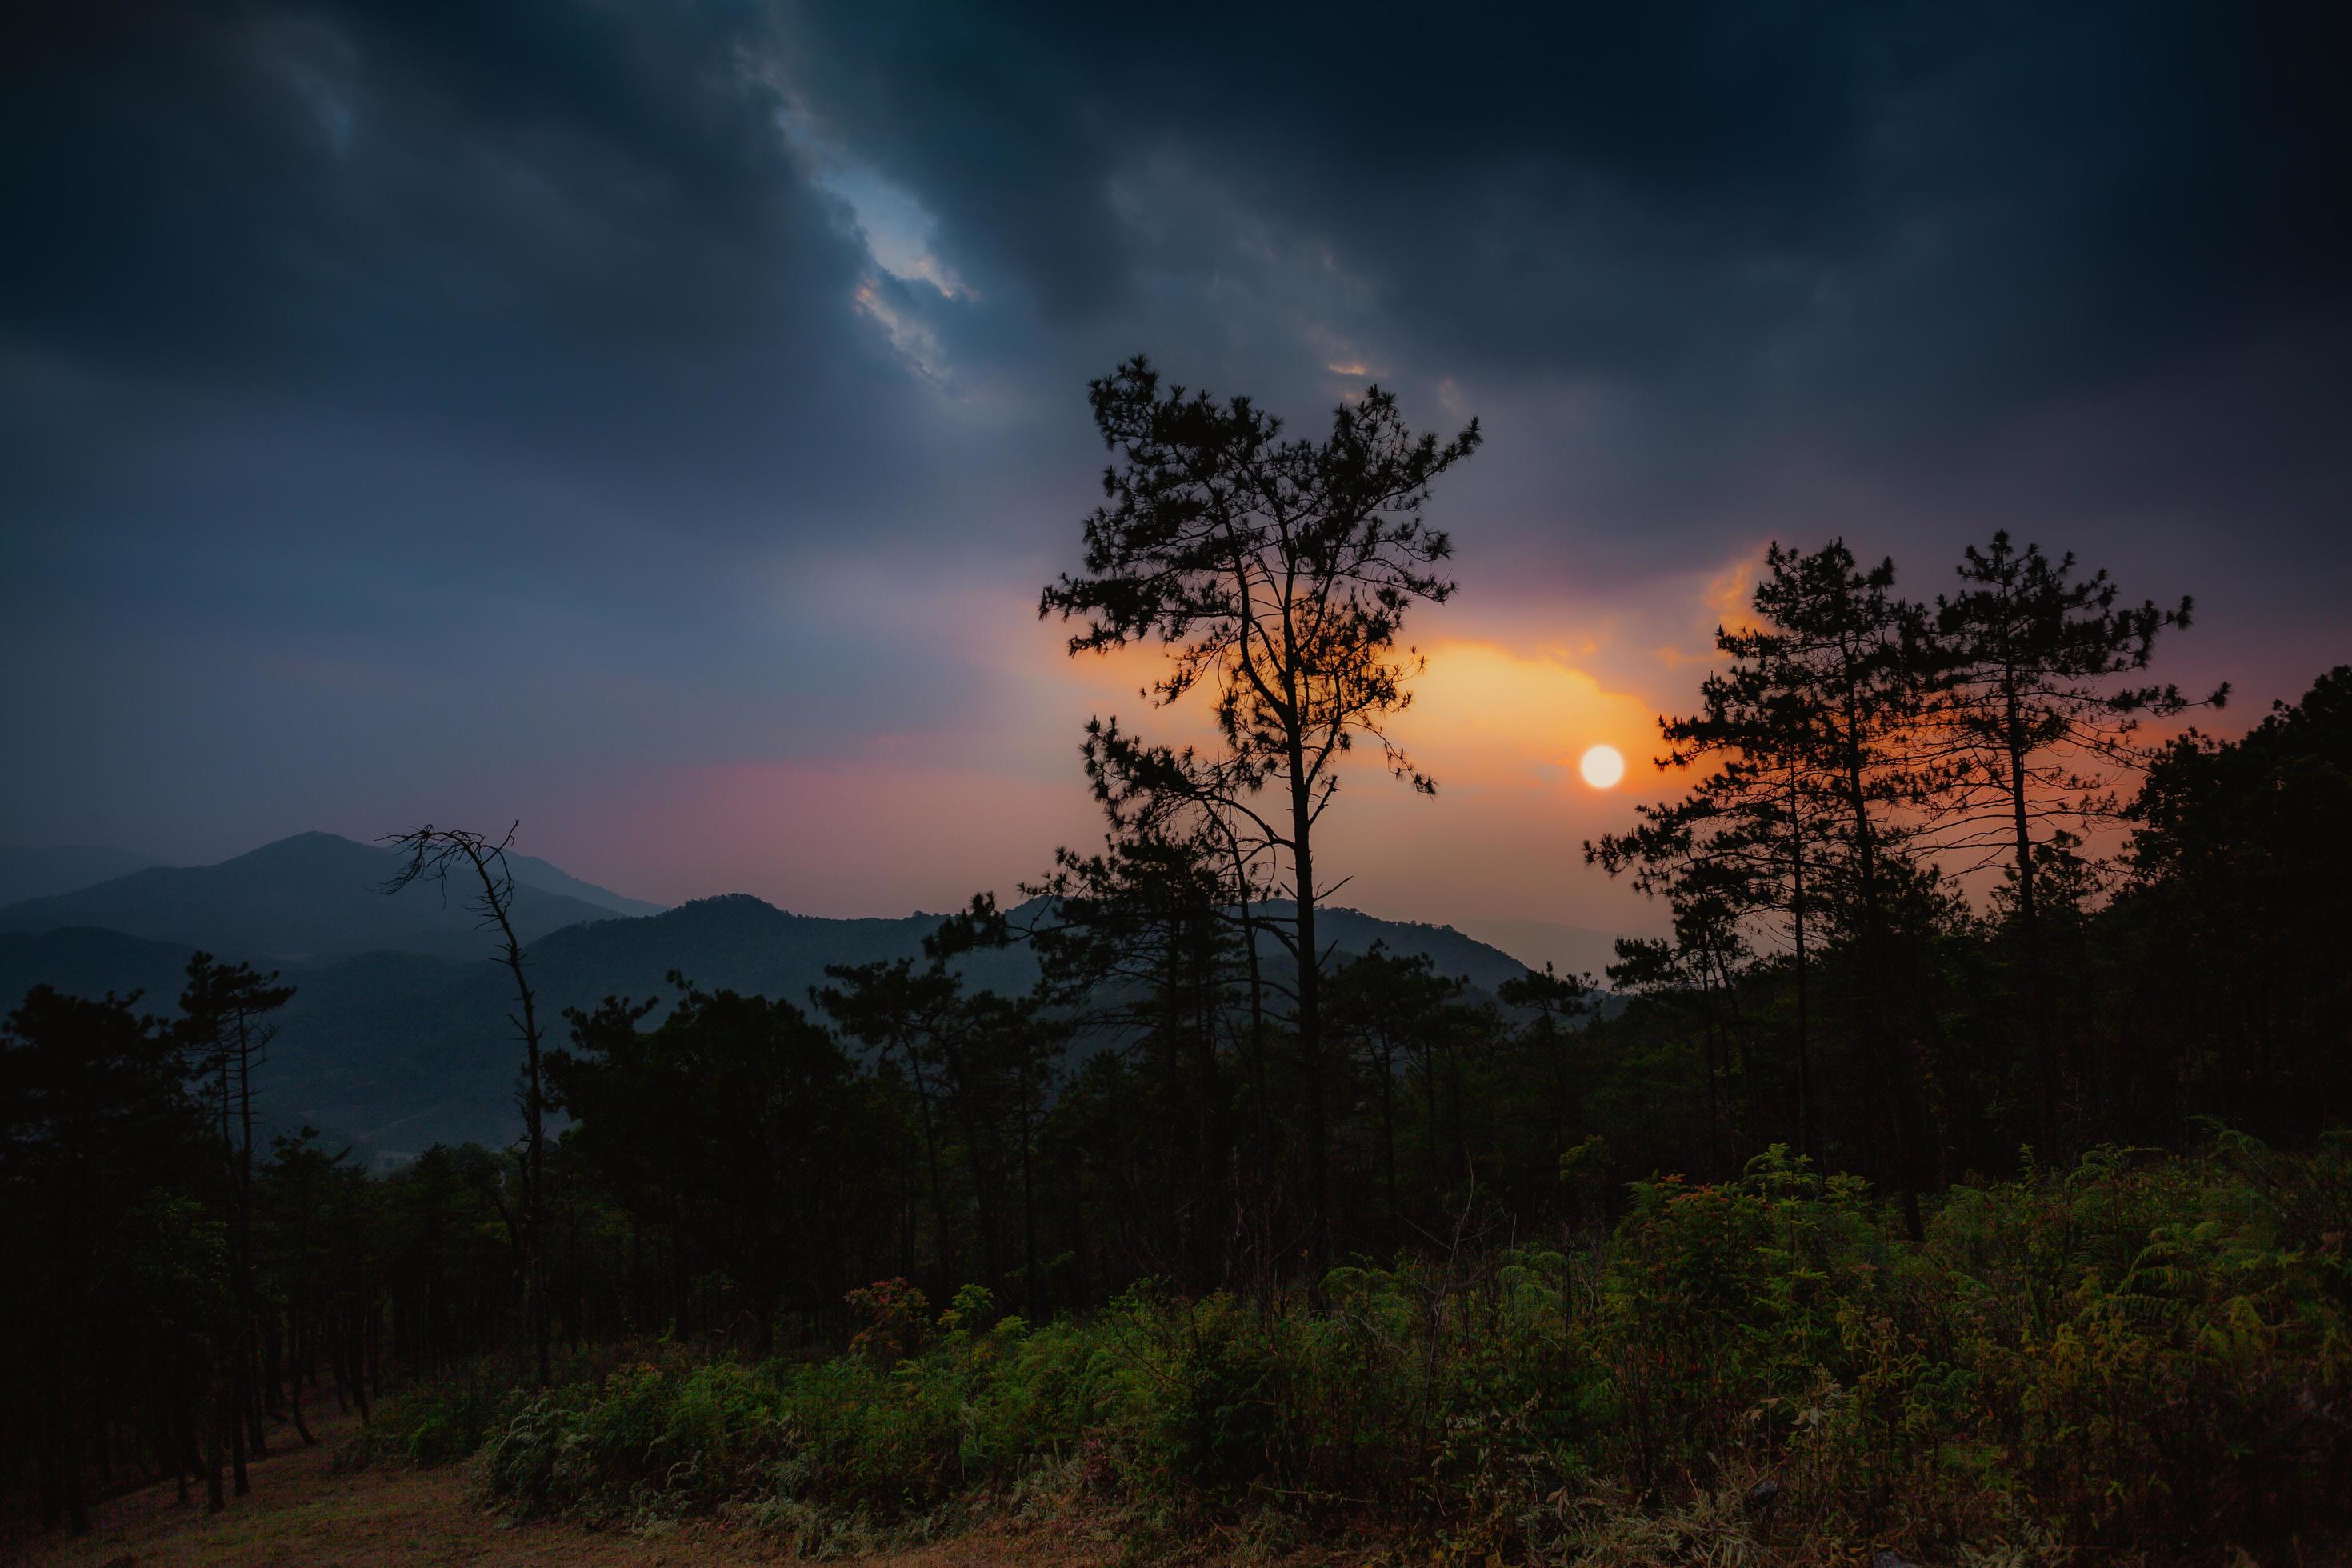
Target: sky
(654, 421)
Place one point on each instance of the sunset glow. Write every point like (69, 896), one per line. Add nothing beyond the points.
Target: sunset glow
(785, 486)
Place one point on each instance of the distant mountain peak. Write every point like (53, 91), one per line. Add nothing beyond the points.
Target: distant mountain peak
(313, 846)
(309, 898)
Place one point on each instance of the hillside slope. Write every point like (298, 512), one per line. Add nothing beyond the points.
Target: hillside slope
(398, 1036)
(39, 872)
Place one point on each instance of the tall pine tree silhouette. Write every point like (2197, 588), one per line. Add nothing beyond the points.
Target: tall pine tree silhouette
(2039, 694)
(1278, 574)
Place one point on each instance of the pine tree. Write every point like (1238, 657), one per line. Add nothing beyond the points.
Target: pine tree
(1278, 573)
(226, 1026)
(2038, 697)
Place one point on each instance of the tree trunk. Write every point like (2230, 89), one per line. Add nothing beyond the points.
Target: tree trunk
(2029, 929)
(215, 1501)
(1310, 1023)
(1808, 1131)
(930, 1155)
(1751, 1112)
(1388, 1145)
(1899, 1166)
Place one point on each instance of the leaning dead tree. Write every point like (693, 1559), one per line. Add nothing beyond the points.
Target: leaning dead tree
(479, 864)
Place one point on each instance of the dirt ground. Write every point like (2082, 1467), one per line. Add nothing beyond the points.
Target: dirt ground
(302, 1515)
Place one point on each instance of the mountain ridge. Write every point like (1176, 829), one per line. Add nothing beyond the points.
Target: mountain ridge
(398, 1034)
(40, 872)
(307, 898)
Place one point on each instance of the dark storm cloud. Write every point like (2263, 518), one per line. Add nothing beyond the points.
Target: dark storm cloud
(1864, 229)
(517, 233)
(1624, 185)
(461, 382)
(571, 380)
(572, 236)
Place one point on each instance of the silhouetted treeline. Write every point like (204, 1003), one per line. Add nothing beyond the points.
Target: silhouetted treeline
(180, 1298)
(1165, 1105)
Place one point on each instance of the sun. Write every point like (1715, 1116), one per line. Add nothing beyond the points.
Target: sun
(1603, 766)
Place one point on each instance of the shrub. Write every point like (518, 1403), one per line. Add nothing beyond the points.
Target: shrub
(2136, 1360)
(435, 1421)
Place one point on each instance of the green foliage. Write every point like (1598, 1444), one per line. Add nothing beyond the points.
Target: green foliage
(893, 1310)
(435, 1421)
(2130, 1361)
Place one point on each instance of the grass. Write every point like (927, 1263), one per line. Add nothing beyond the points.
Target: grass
(2139, 1360)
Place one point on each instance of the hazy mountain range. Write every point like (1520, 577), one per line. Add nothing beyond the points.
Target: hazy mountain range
(313, 899)
(30, 873)
(397, 1035)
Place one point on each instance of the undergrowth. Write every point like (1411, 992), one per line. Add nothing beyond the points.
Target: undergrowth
(2135, 1361)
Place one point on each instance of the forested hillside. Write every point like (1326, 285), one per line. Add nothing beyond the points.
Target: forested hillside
(391, 1051)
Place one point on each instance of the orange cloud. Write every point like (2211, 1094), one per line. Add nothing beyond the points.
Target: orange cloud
(1729, 595)
(1501, 728)
(1726, 601)
(1488, 717)
(1483, 714)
